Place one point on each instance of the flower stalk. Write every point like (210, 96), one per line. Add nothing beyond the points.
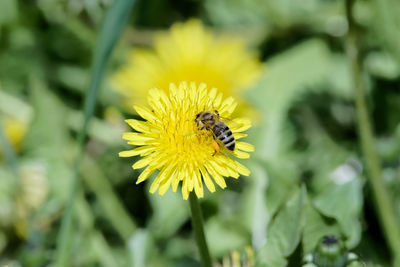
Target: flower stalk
(198, 226)
(383, 205)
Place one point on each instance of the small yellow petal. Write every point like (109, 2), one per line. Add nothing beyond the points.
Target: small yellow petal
(245, 146)
(217, 101)
(145, 113)
(142, 162)
(164, 99)
(198, 185)
(185, 190)
(207, 180)
(241, 154)
(154, 101)
(239, 135)
(219, 168)
(128, 153)
(145, 174)
(190, 180)
(176, 181)
(139, 126)
(217, 178)
(211, 95)
(164, 186)
(240, 125)
(137, 137)
(236, 166)
(242, 169)
(165, 179)
(137, 151)
(227, 105)
(154, 186)
(227, 163)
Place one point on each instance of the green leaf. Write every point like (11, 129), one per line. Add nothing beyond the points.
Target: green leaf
(268, 188)
(386, 25)
(256, 215)
(223, 237)
(286, 77)
(281, 185)
(316, 226)
(170, 211)
(139, 245)
(344, 203)
(284, 233)
(382, 65)
(8, 11)
(270, 256)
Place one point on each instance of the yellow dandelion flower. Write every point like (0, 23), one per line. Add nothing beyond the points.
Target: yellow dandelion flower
(170, 141)
(188, 52)
(14, 131)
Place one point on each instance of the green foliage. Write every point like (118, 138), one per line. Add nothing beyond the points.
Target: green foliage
(57, 164)
(284, 233)
(114, 21)
(346, 211)
(169, 214)
(308, 175)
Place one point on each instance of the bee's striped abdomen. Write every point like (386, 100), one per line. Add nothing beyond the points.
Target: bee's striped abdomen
(224, 134)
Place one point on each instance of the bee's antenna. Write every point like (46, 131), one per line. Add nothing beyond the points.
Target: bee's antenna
(215, 111)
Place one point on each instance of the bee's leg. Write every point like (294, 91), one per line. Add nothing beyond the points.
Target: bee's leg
(216, 112)
(216, 147)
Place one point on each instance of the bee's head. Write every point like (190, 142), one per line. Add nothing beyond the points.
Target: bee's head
(199, 120)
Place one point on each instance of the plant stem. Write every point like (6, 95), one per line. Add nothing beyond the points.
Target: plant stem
(197, 223)
(383, 205)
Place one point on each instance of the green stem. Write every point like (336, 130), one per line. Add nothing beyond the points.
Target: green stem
(197, 223)
(383, 205)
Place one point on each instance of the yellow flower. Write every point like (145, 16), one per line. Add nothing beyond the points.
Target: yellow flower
(14, 131)
(170, 141)
(188, 52)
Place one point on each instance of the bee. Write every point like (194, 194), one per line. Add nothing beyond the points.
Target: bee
(211, 121)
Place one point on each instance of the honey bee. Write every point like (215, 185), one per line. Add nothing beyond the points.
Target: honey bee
(211, 121)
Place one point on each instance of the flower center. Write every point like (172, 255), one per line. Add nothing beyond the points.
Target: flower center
(183, 140)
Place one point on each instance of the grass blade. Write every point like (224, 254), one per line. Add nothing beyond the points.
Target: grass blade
(114, 21)
(111, 206)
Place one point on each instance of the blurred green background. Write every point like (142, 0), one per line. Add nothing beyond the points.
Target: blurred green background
(308, 173)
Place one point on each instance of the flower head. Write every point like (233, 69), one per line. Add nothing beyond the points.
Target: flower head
(170, 141)
(188, 52)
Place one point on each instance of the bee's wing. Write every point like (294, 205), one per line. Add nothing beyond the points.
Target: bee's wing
(230, 122)
(237, 124)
